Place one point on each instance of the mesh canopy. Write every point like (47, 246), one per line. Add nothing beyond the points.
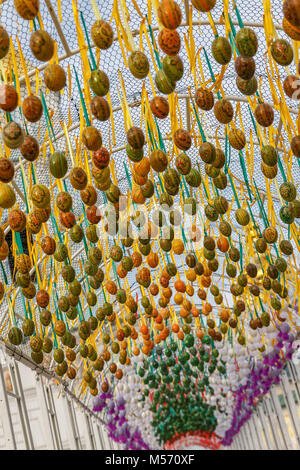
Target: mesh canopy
(66, 107)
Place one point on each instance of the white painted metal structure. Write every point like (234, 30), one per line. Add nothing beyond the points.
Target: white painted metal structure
(37, 413)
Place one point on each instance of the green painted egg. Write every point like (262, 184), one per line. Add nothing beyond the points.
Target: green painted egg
(211, 170)
(136, 155)
(242, 217)
(58, 165)
(28, 327)
(246, 42)
(94, 255)
(173, 68)
(37, 357)
(282, 52)
(61, 252)
(193, 178)
(99, 82)
(138, 64)
(75, 287)
(269, 155)
(15, 336)
(286, 215)
(286, 247)
(40, 196)
(295, 208)
(220, 181)
(288, 191)
(221, 204)
(225, 228)
(247, 87)
(45, 317)
(163, 83)
(76, 233)
(116, 253)
(221, 50)
(91, 233)
(211, 213)
(183, 164)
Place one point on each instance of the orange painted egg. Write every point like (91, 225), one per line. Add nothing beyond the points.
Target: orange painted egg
(32, 108)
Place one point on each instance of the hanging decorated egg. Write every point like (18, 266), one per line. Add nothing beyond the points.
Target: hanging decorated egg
(245, 67)
(93, 214)
(270, 235)
(42, 215)
(40, 196)
(100, 108)
(27, 10)
(7, 170)
(264, 114)
(169, 41)
(78, 178)
(221, 50)
(41, 45)
(164, 84)
(32, 108)
(8, 98)
(13, 135)
(223, 111)
(295, 146)
(182, 139)
(135, 138)
(99, 82)
(30, 148)
(58, 165)
(17, 220)
(288, 191)
(91, 138)
(286, 215)
(247, 87)
(204, 5)
(101, 158)
(207, 152)
(269, 155)
(183, 164)
(237, 139)
(242, 217)
(292, 31)
(89, 195)
(193, 178)
(219, 161)
(33, 224)
(246, 42)
(282, 52)
(48, 245)
(15, 336)
(291, 12)
(158, 160)
(204, 99)
(169, 14)
(4, 42)
(269, 172)
(7, 196)
(102, 34)
(67, 219)
(138, 64)
(159, 107)
(55, 77)
(173, 67)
